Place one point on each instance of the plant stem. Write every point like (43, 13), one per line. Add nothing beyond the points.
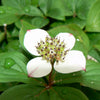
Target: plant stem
(50, 75)
(50, 80)
(5, 32)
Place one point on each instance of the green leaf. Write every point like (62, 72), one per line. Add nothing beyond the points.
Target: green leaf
(66, 93)
(18, 4)
(17, 57)
(93, 19)
(82, 7)
(8, 15)
(25, 26)
(32, 11)
(23, 6)
(56, 14)
(91, 78)
(4, 86)
(13, 45)
(77, 21)
(57, 23)
(82, 41)
(61, 79)
(79, 8)
(92, 94)
(26, 19)
(60, 8)
(11, 63)
(13, 67)
(40, 22)
(24, 92)
(29, 92)
(44, 5)
(52, 8)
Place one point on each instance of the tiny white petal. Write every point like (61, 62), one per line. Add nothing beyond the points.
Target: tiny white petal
(32, 38)
(68, 39)
(74, 61)
(38, 67)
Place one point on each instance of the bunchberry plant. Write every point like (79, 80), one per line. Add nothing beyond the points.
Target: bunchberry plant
(52, 53)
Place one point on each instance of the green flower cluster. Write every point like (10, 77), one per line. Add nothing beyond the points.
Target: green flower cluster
(52, 49)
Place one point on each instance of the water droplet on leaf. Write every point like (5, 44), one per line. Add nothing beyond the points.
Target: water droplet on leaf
(27, 10)
(78, 39)
(9, 62)
(92, 82)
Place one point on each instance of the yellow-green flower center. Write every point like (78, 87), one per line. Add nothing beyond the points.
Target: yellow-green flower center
(52, 48)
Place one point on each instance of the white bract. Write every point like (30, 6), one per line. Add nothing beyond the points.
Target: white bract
(57, 50)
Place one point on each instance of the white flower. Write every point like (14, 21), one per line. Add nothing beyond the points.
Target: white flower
(39, 43)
